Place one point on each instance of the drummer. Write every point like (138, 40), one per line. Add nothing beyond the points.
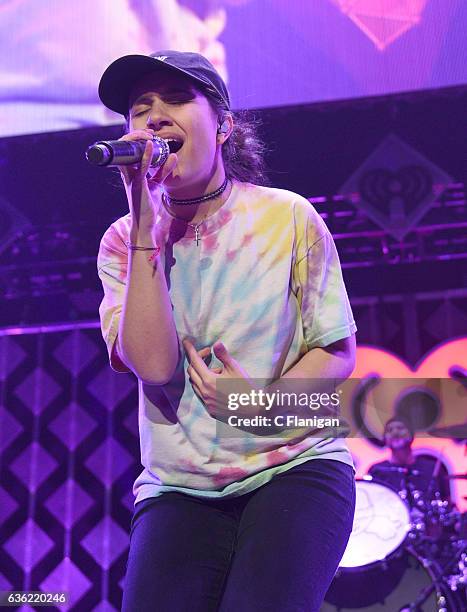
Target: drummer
(419, 477)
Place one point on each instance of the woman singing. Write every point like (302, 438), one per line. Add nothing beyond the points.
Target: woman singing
(213, 281)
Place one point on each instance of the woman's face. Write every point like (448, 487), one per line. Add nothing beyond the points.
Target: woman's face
(170, 105)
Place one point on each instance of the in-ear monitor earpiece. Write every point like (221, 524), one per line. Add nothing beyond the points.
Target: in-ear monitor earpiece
(223, 128)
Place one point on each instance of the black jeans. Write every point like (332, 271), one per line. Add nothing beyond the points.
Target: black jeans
(275, 549)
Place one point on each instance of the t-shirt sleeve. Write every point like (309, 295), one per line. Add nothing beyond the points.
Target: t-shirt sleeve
(318, 283)
(112, 265)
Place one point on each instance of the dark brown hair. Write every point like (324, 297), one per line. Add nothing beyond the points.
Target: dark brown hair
(243, 152)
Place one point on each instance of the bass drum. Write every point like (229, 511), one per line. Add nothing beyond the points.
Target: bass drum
(380, 526)
(408, 575)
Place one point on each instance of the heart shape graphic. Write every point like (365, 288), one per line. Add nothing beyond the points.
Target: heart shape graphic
(384, 21)
(439, 372)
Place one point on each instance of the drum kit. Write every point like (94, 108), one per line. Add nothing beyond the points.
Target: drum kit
(407, 552)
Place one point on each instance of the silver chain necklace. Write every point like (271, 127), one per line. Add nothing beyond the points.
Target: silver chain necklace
(195, 226)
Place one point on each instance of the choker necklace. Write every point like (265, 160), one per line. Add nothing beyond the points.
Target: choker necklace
(187, 202)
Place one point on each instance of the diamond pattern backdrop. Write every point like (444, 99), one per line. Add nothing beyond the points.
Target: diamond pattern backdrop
(69, 450)
(69, 455)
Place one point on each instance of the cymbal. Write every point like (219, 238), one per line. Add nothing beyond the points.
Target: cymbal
(391, 468)
(400, 469)
(452, 431)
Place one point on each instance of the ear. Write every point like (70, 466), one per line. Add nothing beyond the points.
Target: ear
(224, 129)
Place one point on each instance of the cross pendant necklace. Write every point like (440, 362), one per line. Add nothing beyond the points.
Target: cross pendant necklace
(197, 237)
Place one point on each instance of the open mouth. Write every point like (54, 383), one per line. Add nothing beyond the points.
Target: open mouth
(174, 145)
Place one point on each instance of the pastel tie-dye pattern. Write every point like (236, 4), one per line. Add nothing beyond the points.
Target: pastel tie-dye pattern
(266, 280)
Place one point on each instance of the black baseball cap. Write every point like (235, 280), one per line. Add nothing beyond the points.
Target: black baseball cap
(120, 77)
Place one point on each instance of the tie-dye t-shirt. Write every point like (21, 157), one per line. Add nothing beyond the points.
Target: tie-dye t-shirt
(265, 279)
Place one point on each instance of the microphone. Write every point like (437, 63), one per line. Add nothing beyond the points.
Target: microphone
(126, 153)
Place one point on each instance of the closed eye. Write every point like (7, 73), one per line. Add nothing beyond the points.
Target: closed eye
(173, 101)
(138, 113)
(178, 99)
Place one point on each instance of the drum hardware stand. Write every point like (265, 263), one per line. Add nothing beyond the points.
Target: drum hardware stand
(408, 492)
(423, 596)
(428, 590)
(459, 565)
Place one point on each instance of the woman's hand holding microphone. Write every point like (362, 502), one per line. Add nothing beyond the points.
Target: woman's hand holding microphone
(143, 187)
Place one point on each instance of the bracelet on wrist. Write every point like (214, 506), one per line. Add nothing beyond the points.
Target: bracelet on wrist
(137, 247)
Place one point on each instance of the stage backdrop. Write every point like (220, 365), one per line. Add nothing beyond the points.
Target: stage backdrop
(271, 52)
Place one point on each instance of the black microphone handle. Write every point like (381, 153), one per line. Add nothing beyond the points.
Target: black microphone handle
(126, 153)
